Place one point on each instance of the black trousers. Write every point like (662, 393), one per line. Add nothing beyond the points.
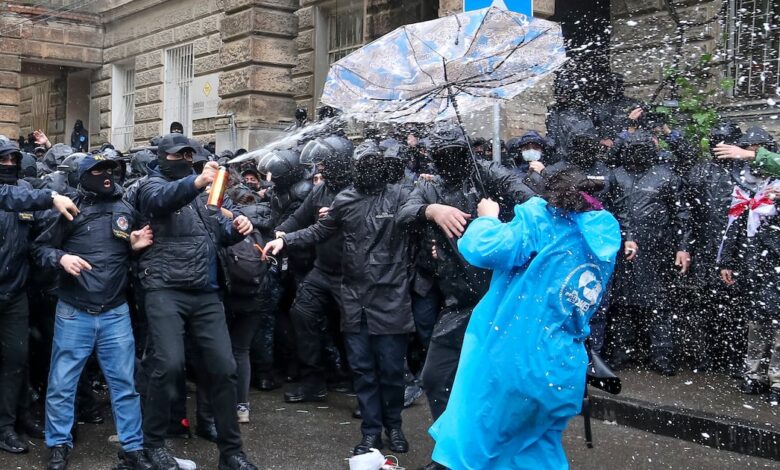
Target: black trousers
(318, 296)
(438, 375)
(14, 333)
(171, 314)
(377, 363)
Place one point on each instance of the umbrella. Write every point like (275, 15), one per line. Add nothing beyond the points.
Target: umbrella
(437, 69)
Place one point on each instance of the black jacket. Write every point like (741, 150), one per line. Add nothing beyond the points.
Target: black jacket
(328, 252)
(18, 198)
(100, 235)
(283, 205)
(560, 122)
(187, 235)
(376, 264)
(708, 192)
(15, 233)
(755, 260)
(650, 206)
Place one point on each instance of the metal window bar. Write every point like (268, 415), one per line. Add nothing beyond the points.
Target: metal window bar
(179, 74)
(345, 30)
(755, 39)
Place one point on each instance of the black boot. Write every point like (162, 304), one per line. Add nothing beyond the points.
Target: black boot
(207, 430)
(306, 392)
(752, 387)
(58, 458)
(663, 367)
(236, 462)
(161, 458)
(10, 442)
(398, 442)
(774, 397)
(433, 466)
(369, 441)
(135, 460)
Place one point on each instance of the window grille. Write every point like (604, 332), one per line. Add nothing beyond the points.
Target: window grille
(755, 43)
(179, 74)
(345, 31)
(123, 111)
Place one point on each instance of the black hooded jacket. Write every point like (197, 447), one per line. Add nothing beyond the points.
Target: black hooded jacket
(376, 272)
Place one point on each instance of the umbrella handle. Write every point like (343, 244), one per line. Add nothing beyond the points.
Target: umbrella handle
(454, 101)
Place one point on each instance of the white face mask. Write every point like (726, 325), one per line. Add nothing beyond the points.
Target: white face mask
(532, 155)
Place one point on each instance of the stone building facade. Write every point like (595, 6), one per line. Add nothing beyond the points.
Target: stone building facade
(234, 71)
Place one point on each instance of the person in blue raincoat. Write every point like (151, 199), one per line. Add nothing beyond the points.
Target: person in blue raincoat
(522, 371)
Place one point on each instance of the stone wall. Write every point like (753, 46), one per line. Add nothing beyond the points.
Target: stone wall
(142, 37)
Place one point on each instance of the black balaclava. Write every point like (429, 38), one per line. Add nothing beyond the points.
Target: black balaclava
(73, 178)
(98, 183)
(370, 175)
(9, 174)
(453, 163)
(337, 173)
(584, 152)
(175, 169)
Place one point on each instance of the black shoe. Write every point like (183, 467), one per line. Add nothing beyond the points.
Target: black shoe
(774, 397)
(91, 416)
(369, 441)
(356, 413)
(207, 431)
(342, 386)
(10, 442)
(58, 458)
(161, 458)
(398, 442)
(180, 430)
(266, 385)
(411, 394)
(664, 368)
(433, 466)
(135, 460)
(303, 393)
(752, 387)
(236, 462)
(28, 425)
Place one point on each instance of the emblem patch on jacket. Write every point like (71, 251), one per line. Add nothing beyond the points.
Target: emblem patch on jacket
(582, 289)
(121, 227)
(26, 216)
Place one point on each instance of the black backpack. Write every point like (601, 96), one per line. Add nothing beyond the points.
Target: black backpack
(246, 268)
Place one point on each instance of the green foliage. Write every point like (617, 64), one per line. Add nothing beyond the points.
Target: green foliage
(697, 112)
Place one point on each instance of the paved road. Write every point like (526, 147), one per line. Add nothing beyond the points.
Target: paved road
(303, 437)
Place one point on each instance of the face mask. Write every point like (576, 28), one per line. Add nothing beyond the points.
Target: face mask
(97, 184)
(453, 165)
(338, 175)
(9, 174)
(253, 186)
(175, 169)
(532, 155)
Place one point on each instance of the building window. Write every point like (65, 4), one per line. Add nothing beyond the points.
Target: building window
(755, 43)
(123, 106)
(345, 33)
(40, 106)
(179, 73)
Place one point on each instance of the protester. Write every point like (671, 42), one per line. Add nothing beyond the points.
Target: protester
(522, 371)
(92, 313)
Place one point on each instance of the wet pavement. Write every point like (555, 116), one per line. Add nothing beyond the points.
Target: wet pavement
(320, 436)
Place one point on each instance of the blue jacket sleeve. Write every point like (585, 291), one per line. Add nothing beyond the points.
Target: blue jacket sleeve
(15, 199)
(157, 198)
(490, 244)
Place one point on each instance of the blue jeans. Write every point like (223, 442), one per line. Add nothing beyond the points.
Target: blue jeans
(76, 335)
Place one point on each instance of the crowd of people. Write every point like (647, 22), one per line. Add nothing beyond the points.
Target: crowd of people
(334, 265)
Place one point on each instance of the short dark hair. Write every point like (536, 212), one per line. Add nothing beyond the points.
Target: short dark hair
(563, 190)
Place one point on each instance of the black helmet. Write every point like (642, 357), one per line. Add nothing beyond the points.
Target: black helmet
(376, 166)
(725, 131)
(392, 148)
(55, 155)
(755, 136)
(70, 166)
(445, 135)
(284, 166)
(322, 148)
(639, 149)
(139, 161)
(29, 167)
(301, 114)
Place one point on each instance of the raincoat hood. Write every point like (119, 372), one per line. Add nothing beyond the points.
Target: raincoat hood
(601, 232)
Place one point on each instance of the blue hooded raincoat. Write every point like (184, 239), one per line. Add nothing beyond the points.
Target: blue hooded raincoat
(522, 371)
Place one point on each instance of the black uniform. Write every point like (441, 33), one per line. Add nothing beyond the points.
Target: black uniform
(181, 274)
